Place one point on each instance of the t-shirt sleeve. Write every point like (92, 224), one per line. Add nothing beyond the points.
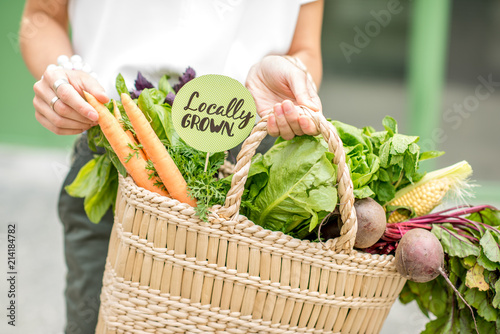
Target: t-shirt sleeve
(303, 2)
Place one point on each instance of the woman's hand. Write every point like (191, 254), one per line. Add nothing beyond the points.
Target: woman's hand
(278, 84)
(61, 108)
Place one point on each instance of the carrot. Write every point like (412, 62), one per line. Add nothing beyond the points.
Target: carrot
(129, 133)
(114, 133)
(164, 165)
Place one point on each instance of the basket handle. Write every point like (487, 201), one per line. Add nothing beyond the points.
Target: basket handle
(345, 242)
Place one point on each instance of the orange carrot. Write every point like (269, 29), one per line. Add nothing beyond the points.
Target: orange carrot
(164, 165)
(129, 133)
(134, 164)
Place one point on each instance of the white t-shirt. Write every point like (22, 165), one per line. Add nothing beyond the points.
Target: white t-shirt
(158, 37)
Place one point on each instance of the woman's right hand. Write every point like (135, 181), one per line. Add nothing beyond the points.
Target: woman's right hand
(70, 114)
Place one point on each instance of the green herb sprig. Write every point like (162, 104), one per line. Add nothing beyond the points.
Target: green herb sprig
(204, 185)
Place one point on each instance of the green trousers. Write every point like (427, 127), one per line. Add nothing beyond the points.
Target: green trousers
(85, 249)
(86, 246)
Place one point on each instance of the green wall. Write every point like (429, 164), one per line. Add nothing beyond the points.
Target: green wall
(17, 115)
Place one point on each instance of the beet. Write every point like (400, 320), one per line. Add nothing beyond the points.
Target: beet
(371, 222)
(330, 226)
(419, 256)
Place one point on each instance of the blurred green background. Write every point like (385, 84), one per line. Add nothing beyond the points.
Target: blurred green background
(18, 124)
(361, 91)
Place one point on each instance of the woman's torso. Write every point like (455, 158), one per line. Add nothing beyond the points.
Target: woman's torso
(160, 37)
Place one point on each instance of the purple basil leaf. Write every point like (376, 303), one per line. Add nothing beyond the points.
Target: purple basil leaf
(135, 93)
(141, 82)
(170, 98)
(188, 75)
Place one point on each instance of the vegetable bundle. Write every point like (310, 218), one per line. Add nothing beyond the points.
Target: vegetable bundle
(384, 165)
(293, 195)
(470, 238)
(139, 139)
(291, 189)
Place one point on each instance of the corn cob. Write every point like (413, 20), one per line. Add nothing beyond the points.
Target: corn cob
(429, 192)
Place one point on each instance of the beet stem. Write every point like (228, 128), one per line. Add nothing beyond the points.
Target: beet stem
(323, 222)
(443, 273)
(456, 236)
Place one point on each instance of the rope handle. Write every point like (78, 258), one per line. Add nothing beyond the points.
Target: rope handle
(230, 210)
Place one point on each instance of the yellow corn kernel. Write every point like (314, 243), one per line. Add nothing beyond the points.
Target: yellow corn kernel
(423, 199)
(428, 193)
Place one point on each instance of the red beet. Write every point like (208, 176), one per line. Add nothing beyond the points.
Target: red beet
(419, 256)
(371, 222)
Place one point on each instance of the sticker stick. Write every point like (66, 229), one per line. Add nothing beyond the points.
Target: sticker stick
(206, 162)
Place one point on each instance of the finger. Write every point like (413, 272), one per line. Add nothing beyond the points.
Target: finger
(69, 95)
(300, 87)
(63, 110)
(51, 127)
(284, 128)
(45, 94)
(308, 126)
(313, 94)
(92, 86)
(272, 127)
(292, 117)
(55, 119)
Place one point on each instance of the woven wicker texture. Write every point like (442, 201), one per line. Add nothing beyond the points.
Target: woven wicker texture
(169, 272)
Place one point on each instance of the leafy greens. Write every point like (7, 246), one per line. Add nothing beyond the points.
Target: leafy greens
(381, 162)
(97, 181)
(291, 187)
(473, 266)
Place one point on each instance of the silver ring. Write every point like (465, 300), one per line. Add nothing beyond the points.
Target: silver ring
(53, 101)
(58, 83)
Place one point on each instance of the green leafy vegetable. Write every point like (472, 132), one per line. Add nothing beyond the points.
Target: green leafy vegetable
(471, 245)
(292, 186)
(96, 182)
(164, 86)
(383, 162)
(203, 185)
(120, 85)
(453, 243)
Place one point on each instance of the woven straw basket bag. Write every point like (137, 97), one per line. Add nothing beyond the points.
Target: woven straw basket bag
(169, 272)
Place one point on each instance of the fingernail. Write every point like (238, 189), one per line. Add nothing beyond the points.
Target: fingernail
(93, 116)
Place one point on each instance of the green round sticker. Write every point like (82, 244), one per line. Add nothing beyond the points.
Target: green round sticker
(213, 113)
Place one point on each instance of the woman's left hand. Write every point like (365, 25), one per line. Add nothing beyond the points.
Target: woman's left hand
(277, 84)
